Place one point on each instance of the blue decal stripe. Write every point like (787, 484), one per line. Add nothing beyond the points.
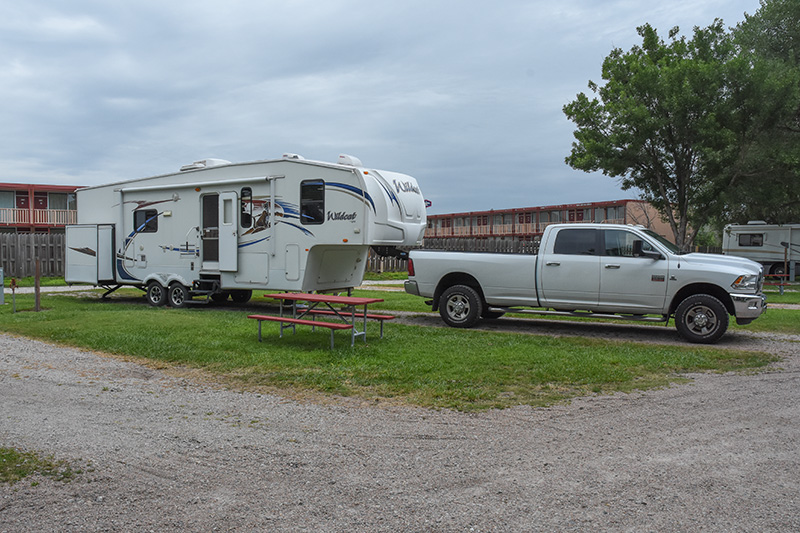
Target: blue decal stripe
(391, 194)
(356, 190)
(246, 244)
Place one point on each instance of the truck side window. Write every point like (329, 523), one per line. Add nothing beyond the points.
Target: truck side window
(312, 201)
(751, 239)
(145, 221)
(619, 243)
(576, 242)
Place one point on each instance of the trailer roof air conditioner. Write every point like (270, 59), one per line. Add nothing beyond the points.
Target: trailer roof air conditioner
(350, 160)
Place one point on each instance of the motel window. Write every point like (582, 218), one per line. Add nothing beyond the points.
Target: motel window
(312, 202)
(751, 239)
(6, 199)
(145, 221)
(57, 200)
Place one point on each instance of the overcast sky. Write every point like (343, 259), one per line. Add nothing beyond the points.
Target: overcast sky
(466, 96)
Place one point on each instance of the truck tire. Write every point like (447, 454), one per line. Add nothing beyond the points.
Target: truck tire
(460, 306)
(178, 295)
(156, 294)
(701, 319)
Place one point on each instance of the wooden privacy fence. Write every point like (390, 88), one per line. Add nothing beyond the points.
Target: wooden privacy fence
(19, 252)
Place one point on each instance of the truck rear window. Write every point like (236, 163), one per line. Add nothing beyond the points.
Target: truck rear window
(576, 242)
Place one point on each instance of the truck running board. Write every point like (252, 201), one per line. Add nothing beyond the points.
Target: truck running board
(584, 314)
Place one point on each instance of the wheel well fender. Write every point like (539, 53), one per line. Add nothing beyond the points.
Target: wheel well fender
(455, 278)
(702, 288)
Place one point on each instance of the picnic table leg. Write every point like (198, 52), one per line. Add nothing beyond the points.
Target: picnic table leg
(259, 331)
(365, 323)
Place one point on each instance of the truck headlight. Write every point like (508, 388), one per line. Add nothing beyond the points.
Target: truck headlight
(746, 283)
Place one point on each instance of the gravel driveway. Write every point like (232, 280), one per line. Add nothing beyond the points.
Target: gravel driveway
(166, 452)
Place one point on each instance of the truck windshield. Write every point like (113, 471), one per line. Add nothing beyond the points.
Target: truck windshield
(664, 242)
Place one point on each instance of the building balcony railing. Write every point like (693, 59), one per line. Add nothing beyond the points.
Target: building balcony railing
(501, 230)
(12, 216)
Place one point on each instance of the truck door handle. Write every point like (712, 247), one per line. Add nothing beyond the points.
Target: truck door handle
(612, 266)
(553, 263)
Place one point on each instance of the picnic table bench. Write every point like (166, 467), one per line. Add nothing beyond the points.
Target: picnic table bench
(301, 321)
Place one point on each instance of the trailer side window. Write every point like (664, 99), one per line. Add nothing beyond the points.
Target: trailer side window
(576, 242)
(312, 202)
(247, 207)
(751, 239)
(145, 221)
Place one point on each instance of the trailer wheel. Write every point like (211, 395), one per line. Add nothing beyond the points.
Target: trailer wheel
(156, 294)
(220, 297)
(241, 296)
(460, 306)
(701, 318)
(777, 269)
(178, 295)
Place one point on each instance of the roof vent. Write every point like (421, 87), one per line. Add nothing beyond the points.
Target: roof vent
(293, 156)
(350, 160)
(756, 222)
(205, 163)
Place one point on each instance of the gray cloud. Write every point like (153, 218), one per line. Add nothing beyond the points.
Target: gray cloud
(466, 96)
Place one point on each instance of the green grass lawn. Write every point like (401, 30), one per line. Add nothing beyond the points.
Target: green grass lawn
(430, 367)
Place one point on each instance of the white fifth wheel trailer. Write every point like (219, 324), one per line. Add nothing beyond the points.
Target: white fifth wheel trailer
(219, 229)
(776, 246)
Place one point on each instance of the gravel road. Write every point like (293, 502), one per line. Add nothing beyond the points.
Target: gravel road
(165, 451)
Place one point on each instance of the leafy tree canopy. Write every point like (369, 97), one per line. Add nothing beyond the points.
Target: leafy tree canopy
(685, 121)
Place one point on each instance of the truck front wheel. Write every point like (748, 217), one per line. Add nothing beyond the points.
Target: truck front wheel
(460, 306)
(701, 318)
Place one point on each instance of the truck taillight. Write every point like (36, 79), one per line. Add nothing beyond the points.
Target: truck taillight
(410, 267)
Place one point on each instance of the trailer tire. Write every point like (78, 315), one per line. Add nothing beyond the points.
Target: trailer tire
(460, 306)
(178, 295)
(701, 319)
(241, 296)
(220, 297)
(156, 294)
(777, 270)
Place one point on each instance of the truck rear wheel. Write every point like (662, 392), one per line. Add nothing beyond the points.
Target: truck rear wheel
(460, 306)
(701, 318)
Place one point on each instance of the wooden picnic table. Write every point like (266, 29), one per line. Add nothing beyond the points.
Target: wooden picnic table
(347, 316)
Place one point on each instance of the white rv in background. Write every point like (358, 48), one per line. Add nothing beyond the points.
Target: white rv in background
(768, 244)
(220, 229)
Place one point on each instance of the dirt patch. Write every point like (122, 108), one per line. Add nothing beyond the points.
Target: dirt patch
(170, 452)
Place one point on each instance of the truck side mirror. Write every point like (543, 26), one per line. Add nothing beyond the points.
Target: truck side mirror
(638, 251)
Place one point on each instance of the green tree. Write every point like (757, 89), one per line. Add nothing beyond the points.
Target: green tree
(678, 121)
(771, 165)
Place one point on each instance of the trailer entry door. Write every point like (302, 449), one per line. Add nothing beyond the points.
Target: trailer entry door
(229, 210)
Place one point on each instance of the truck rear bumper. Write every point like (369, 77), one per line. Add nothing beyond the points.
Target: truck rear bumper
(411, 287)
(748, 307)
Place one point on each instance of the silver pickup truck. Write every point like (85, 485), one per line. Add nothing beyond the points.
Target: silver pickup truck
(597, 270)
